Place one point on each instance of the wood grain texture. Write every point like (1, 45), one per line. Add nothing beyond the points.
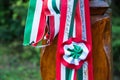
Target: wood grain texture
(101, 37)
(48, 61)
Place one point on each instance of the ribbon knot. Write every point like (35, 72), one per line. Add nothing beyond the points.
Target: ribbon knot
(74, 52)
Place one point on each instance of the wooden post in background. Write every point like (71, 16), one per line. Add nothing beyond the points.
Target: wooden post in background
(101, 38)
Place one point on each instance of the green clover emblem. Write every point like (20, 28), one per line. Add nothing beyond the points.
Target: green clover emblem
(76, 52)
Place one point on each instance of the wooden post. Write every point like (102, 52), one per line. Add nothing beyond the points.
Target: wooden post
(101, 36)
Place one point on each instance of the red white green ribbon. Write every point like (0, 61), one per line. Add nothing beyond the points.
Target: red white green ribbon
(33, 23)
(71, 19)
(69, 68)
(36, 21)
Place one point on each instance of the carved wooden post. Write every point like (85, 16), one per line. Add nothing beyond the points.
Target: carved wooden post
(101, 36)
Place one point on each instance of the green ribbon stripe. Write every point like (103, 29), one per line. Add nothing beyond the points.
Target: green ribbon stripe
(72, 19)
(55, 7)
(69, 71)
(80, 74)
(68, 74)
(29, 22)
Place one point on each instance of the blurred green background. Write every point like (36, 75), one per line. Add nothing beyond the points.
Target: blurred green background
(22, 63)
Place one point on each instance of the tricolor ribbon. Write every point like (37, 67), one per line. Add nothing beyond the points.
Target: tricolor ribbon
(71, 19)
(38, 13)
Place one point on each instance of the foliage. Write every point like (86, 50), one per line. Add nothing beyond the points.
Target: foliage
(116, 38)
(116, 47)
(19, 63)
(115, 8)
(16, 62)
(13, 15)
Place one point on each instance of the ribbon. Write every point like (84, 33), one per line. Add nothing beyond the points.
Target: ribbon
(71, 18)
(38, 13)
(35, 23)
